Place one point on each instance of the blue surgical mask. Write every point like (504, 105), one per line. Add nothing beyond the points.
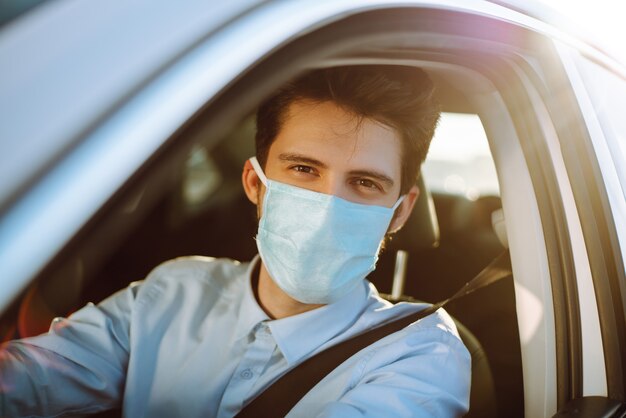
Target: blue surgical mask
(317, 247)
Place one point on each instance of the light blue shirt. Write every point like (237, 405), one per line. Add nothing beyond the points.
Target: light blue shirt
(192, 341)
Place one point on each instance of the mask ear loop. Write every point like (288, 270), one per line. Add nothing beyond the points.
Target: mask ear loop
(258, 170)
(398, 202)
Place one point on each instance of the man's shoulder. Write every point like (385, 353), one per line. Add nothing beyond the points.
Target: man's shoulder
(197, 270)
(438, 326)
(195, 265)
(379, 311)
(433, 338)
(438, 320)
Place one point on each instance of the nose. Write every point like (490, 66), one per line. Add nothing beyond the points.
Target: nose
(336, 186)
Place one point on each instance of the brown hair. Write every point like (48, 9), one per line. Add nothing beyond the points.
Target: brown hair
(400, 97)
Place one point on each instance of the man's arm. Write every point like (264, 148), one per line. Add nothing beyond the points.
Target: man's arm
(78, 367)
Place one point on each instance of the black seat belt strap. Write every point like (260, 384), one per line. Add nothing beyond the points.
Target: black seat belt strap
(282, 395)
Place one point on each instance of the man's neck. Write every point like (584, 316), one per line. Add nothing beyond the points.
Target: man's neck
(274, 301)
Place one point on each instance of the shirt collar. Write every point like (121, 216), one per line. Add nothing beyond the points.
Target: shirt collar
(250, 313)
(300, 335)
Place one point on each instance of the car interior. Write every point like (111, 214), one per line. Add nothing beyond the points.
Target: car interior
(189, 201)
(205, 212)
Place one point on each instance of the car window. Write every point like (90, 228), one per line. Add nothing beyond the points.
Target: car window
(211, 173)
(459, 160)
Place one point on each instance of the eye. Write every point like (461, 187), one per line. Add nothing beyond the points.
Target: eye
(304, 169)
(368, 184)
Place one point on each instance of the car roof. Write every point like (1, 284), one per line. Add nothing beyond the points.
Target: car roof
(73, 62)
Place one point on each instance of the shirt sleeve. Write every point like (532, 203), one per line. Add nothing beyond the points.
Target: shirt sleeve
(426, 374)
(78, 367)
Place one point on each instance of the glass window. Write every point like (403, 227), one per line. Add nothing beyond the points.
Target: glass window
(459, 160)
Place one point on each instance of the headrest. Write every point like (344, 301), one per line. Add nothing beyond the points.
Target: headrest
(421, 230)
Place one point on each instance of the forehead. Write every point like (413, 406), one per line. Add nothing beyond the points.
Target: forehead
(339, 138)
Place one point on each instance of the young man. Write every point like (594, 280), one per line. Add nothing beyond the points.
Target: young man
(338, 153)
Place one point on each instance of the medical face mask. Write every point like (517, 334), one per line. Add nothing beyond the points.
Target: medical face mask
(317, 247)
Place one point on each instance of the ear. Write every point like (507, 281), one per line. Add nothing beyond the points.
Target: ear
(404, 210)
(251, 182)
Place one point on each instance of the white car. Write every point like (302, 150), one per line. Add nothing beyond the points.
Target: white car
(124, 127)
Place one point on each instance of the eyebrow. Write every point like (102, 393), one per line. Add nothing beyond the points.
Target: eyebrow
(299, 158)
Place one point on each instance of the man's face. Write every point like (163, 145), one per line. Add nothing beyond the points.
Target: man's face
(323, 148)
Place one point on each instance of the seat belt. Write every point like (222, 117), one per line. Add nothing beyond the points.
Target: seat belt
(282, 395)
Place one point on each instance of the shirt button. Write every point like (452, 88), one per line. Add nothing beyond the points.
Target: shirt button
(246, 374)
